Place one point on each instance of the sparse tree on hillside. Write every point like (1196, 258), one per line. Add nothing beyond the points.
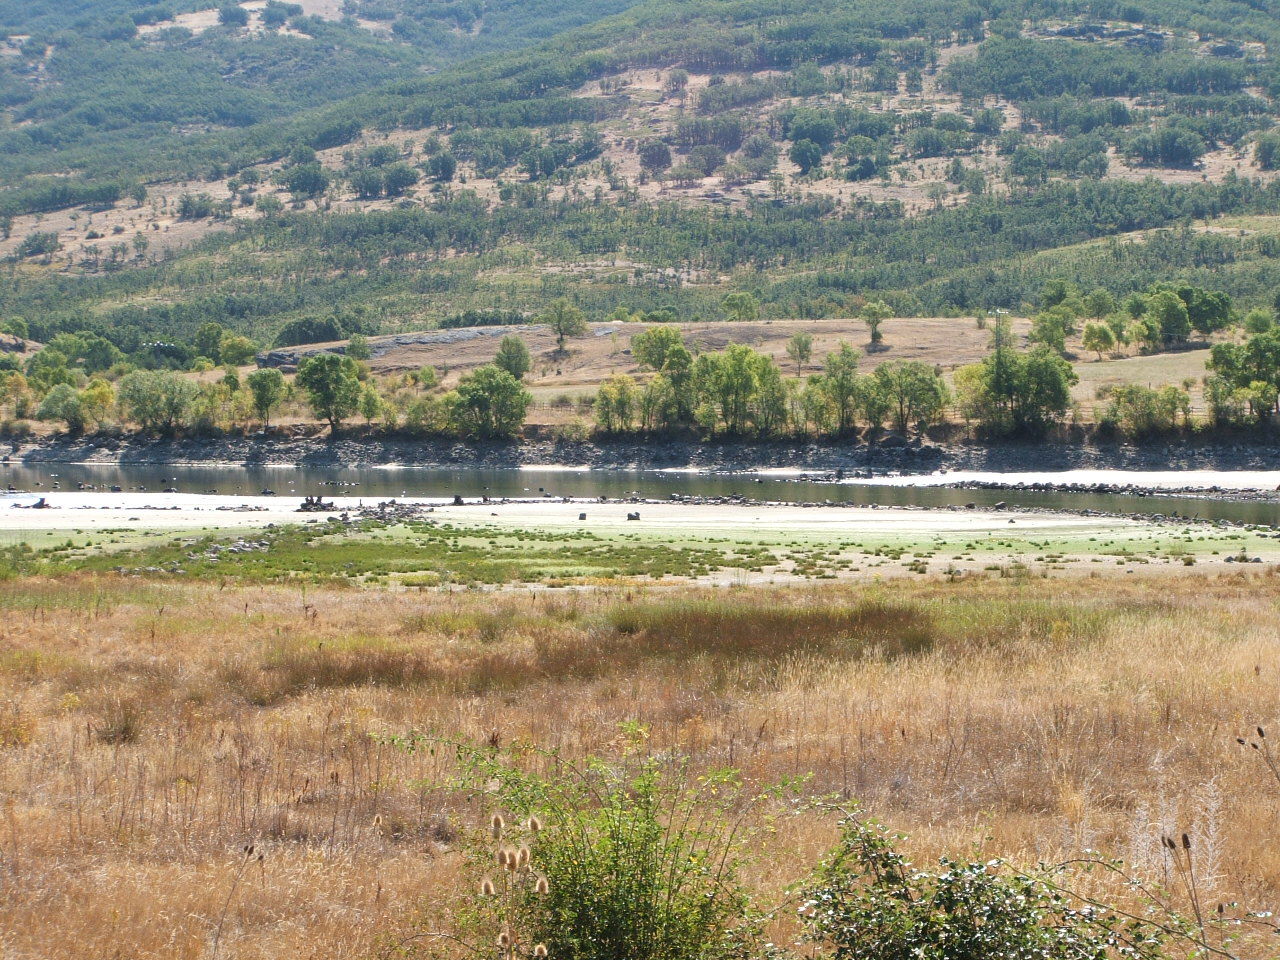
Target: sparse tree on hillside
(442, 167)
(800, 349)
(1099, 303)
(398, 178)
(358, 347)
(676, 83)
(873, 315)
(806, 155)
(1098, 338)
(565, 320)
(513, 356)
(233, 15)
(654, 346)
(655, 156)
(1168, 315)
(426, 378)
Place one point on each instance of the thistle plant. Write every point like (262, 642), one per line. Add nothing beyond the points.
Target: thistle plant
(514, 881)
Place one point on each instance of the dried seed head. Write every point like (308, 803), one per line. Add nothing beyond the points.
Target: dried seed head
(542, 886)
(1262, 734)
(487, 889)
(523, 856)
(497, 825)
(377, 820)
(1166, 842)
(510, 860)
(535, 825)
(540, 950)
(1186, 842)
(504, 939)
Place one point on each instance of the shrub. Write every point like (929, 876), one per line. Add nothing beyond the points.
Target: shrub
(513, 356)
(157, 400)
(1142, 411)
(489, 403)
(39, 245)
(426, 416)
(233, 15)
(640, 860)
(868, 902)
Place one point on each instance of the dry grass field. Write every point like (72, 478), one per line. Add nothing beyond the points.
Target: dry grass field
(149, 730)
(945, 342)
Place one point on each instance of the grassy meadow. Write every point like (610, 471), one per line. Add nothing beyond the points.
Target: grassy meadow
(547, 544)
(152, 727)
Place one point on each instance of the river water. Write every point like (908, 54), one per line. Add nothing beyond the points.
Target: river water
(380, 483)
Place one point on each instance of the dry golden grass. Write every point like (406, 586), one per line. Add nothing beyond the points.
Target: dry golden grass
(149, 731)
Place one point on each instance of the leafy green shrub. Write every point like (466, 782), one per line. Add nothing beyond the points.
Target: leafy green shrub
(868, 902)
(640, 861)
(1142, 411)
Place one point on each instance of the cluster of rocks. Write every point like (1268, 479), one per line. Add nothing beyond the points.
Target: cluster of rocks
(394, 510)
(216, 551)
(1115, 489)
(316, 505)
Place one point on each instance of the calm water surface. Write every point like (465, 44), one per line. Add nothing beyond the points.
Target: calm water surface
(382, 483)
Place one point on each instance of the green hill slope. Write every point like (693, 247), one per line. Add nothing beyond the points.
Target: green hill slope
(942, 156)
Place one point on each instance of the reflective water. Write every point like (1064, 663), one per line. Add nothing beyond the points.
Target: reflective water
(383, 483)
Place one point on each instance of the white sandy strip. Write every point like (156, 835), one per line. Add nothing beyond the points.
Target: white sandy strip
(178, 511)
(1152, 479)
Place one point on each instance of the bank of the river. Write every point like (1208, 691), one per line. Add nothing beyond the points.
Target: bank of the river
(888, 455)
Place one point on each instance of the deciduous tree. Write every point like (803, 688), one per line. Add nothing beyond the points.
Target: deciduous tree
(332, 385)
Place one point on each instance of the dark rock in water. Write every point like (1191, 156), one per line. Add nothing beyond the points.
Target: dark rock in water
(457, 500)
(268, 493)
(633, 516)
(999, 506)
(582, 516)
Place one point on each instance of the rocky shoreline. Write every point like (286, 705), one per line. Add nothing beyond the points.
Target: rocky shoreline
(886, 455)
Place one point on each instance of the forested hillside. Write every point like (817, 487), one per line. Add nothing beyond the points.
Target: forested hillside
(385, 164)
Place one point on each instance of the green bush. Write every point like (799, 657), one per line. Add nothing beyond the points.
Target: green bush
(868, 902)
(640, 860)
